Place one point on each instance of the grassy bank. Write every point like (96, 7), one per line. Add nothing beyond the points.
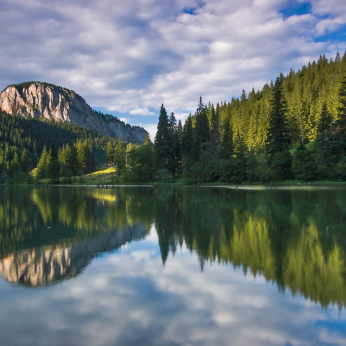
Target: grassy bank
(107, 177)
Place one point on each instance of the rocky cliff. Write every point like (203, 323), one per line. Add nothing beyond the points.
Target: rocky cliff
(42, 100)
(45, 266)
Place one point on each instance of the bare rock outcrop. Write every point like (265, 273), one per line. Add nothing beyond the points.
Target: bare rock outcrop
(42, 100)
(48, 265)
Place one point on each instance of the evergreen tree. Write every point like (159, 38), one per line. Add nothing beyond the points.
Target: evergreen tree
(201, 133)
(239, 163)
(342, 99)
(340, 128)
(174, 143)
(187, 140)
(110, 153)
(145, 161)
(215, 128)
(324, 120)
(74, 164)
(25, 161)
(177, 148)
(42, 165)
(68, 158)
(119, 157)
(15, 163)
(226, 146)
(303, 165)
(163, 141)
(278, 138)
(147, 140)
(53, 166)
(91, 165)
(83, 152)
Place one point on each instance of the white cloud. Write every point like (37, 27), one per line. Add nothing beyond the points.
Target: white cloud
(151, 129)
(132, 56)
(141, 111)
(125, 120)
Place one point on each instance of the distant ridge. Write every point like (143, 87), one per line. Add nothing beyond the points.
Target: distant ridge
(44, 100)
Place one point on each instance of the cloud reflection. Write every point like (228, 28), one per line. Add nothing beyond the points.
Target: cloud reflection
(129, 298)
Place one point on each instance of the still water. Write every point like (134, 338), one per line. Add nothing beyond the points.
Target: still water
(182, 266)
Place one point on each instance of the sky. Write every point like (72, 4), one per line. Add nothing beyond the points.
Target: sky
(126, 58)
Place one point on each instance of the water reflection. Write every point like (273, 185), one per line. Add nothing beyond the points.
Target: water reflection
(295, 239)
(48, 265)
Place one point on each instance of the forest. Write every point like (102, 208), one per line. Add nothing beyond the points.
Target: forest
(294, 128)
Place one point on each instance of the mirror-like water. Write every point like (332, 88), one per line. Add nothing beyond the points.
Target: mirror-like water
(182, 266)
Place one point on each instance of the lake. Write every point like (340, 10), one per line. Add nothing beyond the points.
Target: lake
(172, 266)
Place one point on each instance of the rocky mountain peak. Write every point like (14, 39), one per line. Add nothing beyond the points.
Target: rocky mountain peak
(43, 100)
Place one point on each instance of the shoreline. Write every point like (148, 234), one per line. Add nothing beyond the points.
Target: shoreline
(298, 186)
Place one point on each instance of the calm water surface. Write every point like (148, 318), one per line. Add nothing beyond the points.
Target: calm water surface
(189, 266)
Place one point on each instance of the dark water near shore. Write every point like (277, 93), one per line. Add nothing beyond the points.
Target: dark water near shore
(181, 266)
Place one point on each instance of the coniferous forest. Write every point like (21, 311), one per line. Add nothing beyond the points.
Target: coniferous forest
(294, 128)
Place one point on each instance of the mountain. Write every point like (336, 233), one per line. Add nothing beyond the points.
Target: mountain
(48, 265)
(43, 100)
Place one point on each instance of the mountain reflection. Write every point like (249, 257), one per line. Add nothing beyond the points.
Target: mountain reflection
(295, 239)
(47, 265)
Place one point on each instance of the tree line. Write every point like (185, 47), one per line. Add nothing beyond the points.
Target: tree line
(294, 128)
(22, 143)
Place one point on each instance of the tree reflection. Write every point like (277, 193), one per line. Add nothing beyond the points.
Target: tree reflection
(295, 239)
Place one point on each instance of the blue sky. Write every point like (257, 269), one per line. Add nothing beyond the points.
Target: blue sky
(127, 58)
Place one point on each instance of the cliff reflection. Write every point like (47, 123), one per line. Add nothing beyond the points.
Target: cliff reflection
(47, 265)
(49, 236)
(295, 239)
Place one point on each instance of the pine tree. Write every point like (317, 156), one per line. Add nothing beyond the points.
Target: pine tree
(91, 165)
(239, 163)
(119, 157)
(324, 120)
(171, 161)
(147, 139)
(303, 165)
(68, 157)
(340, 126)
(53, 166)
(278, 138)
(226, 146)
(82, 156)
(42, 165)
(187, 140)
(25, 161)
(177, 148)
(215, 128)
(74, 164)
(201, 133)
(110, 153)
(15, 163)
(342, 103)
(145, 161)
(163, 141)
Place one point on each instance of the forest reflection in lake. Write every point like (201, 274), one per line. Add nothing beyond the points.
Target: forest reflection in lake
(176, 265)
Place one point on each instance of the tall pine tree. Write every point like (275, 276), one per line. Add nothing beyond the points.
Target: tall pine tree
(163, 141)
(278, 138)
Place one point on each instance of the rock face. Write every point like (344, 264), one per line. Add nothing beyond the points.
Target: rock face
(42, 100)
(49, 265)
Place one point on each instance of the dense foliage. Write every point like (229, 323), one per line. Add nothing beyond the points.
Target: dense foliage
(22, 142)
(294, 128)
